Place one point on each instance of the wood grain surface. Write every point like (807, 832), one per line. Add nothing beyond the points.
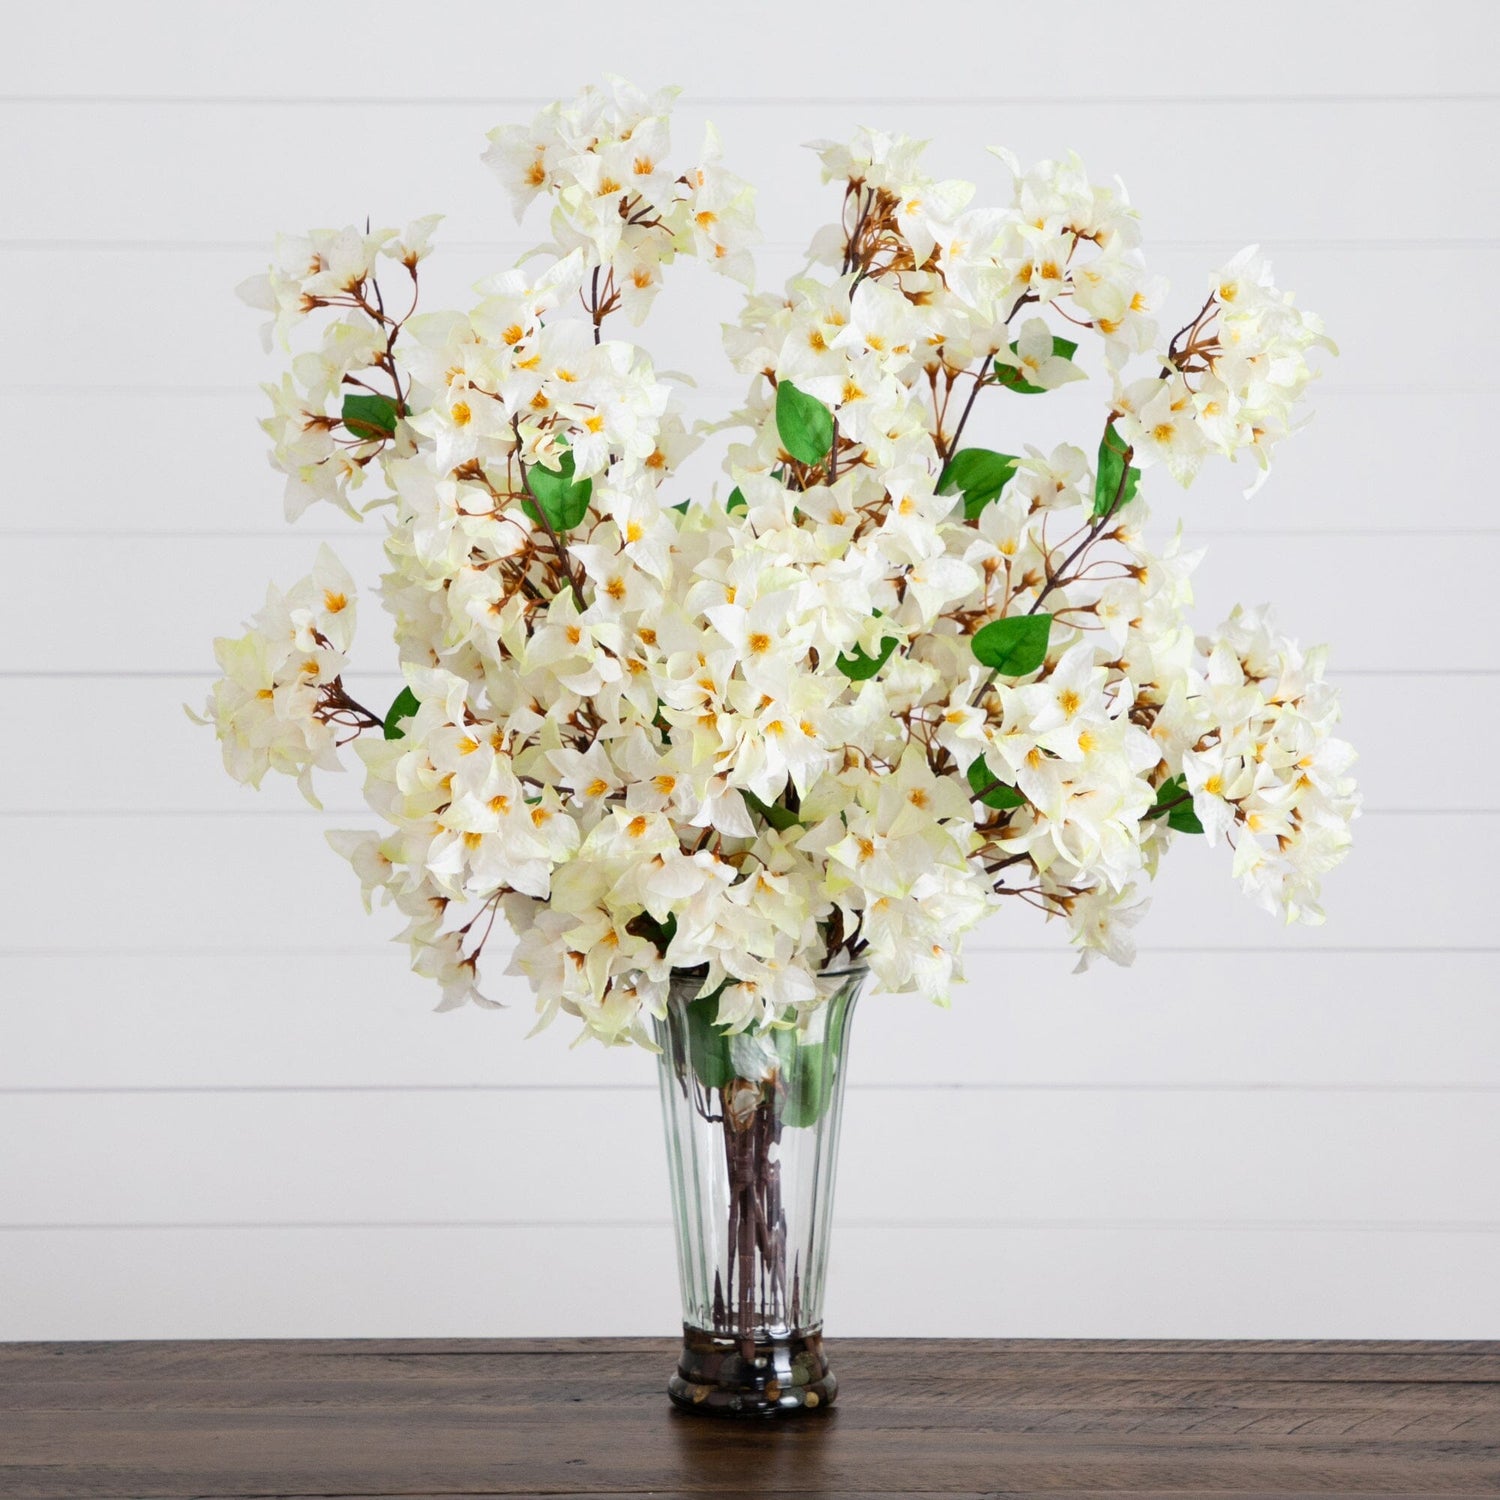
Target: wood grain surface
(588, 1417)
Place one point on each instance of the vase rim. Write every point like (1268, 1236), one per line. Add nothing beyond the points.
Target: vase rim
(844, 971)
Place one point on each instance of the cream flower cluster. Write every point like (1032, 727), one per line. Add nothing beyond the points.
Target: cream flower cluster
(280, 704)
(1263, 766)
(602, 161)
(888, 683)
(1233, 377)
(311, 445)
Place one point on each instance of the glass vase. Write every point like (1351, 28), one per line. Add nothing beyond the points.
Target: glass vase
(752, 1126)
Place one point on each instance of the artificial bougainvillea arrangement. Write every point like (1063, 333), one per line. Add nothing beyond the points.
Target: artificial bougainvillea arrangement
(880, 685)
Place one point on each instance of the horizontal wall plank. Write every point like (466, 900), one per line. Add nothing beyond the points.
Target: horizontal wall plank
(1331, 48)
(145, 605)
(257, 884)
(1239, 1021)
(1045, 1280)
(936, 1155)
(1314, 171)
(1331, 477)
(56, 302)
(162, 762)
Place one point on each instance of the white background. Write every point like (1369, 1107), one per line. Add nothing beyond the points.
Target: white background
(225, 1107)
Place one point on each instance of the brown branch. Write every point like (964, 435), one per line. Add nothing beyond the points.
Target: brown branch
(945, 451)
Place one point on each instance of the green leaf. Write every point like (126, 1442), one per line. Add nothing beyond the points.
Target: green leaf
(979, 474)
(1183, 819)
(736, 500)
(1015, 645)
(369, 417)
(1180, 815)
(803, 423)
(708, 1047)
(404, 707)
(1167, 792)
(808, 1077)
(780, 818)
(859, 666)
(1112, 478)
(682, 507)
(990, 789)
(1010, 375)
(564, 501)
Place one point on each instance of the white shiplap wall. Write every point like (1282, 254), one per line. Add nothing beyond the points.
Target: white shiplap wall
(224, 1106)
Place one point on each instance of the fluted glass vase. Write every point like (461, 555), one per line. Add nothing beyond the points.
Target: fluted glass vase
(752, 1127)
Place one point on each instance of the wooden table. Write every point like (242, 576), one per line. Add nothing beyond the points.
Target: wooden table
(588, 1417)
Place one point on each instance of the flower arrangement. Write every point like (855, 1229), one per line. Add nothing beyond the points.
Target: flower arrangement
(886, 684)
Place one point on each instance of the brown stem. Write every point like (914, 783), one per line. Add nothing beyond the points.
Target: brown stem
(945, 451)
(336, 700)
(1166, 807)
(756, 1292)
(1190, 329)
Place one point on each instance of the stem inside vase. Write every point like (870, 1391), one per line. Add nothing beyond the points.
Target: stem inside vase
(757, 1289)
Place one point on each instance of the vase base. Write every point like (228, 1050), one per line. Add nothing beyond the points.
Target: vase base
(720, 1376)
